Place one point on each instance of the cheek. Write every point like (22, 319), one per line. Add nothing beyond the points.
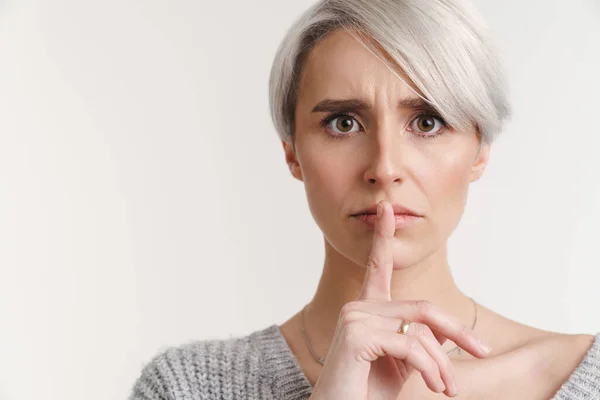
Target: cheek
(326, 181)
(446, 187)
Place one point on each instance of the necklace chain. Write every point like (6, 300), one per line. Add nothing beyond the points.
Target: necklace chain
(321, 360)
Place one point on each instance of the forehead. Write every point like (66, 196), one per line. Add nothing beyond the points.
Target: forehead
(339, 66)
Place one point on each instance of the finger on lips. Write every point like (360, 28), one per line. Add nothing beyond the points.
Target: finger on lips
(378, 274)
(430, 326)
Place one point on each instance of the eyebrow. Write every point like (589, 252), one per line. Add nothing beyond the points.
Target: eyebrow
(331, 105)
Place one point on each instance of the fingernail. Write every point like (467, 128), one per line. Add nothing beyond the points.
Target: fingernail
(454, 386)
(379, 210)
(486, 347)
(442, 386)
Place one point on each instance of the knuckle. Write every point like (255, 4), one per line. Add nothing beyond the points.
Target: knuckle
(372, 262)
(445, 363)
(352, 333)
(411, 343)
(348, 308)
(464, 331)
(350, 317)
(434, 368)
(349, 313)
(421, 330)
(423, 306)
(429, 332)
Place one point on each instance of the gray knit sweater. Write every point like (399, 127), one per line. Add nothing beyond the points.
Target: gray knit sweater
(262, 366)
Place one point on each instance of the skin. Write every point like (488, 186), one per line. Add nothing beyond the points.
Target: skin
(380, 155)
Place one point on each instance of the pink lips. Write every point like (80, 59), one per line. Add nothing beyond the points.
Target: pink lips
(401, 220)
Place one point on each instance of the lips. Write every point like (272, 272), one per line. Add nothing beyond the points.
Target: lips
(401, 221)
(403, 216)
(399, 209)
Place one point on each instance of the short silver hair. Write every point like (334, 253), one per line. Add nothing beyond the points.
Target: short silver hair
(443, 46)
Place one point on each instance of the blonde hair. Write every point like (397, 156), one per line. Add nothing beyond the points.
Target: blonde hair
(443, 46)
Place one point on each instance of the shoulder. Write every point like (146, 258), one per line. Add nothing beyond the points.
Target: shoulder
(570, 363)
(567, 365)
(550, 366)
(211, 369)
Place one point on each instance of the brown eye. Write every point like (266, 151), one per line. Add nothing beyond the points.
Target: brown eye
(344, 124)
(427, 123)
(341, 125)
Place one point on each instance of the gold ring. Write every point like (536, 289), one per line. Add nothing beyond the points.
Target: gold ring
(403, 327)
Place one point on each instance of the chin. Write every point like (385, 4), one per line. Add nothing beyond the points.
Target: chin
(405, 254)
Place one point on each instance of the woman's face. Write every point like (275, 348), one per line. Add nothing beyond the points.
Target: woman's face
(378, 150)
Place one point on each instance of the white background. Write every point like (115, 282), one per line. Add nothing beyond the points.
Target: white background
(145, 201)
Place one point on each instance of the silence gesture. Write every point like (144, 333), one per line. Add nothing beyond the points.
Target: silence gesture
(378, 342)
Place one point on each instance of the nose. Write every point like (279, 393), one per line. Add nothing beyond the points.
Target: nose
(385, 160)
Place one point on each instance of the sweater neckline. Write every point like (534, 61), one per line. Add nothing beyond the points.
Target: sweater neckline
(280, 365)
(289, 381)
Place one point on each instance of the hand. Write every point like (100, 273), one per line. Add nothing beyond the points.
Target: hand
(367, 358)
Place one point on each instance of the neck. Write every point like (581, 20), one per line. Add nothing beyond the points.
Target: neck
(342, 280)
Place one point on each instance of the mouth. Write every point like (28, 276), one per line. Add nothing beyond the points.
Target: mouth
(399, 209)
(400, 220)
(403, 216)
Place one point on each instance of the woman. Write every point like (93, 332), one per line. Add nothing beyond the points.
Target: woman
(387, 111)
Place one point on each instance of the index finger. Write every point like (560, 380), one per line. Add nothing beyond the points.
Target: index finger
(378, 276)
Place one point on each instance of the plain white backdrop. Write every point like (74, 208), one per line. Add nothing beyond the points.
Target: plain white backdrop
(145, 200)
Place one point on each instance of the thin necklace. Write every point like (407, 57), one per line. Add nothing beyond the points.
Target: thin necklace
(321, 360)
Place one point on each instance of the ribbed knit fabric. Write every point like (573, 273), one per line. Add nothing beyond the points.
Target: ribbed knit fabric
(262, 366)
(584, 382)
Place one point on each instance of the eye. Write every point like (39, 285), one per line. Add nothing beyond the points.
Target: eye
(341, 124)
(428, 124)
